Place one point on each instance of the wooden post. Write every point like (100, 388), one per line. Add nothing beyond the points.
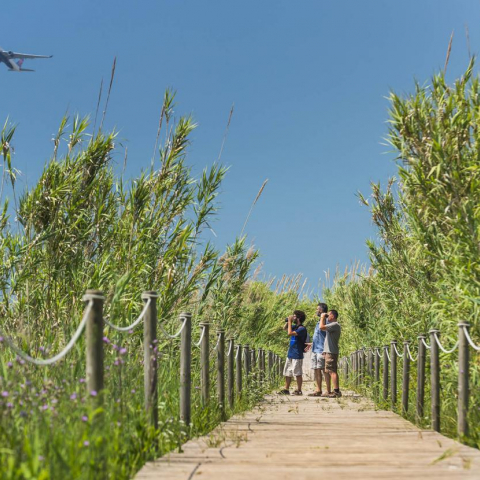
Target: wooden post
(246, 362)
(238, 371)
(270, 365)
(435, 380)
(420, 378)
(186, 369)
(150, 357)
(463, 380)
(221, 371)
(370, 364)
(376, 364)
(230, 372)
(405, 378)
(262, 365)
(361, 365)
(393, 373)
(385, 373)
(205, 363)
(346, 370)
(253, 365)
(94, 340)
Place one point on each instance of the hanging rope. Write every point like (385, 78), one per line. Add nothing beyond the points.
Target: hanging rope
(410, 354)
(441, 346)
(470, 341)
(197, 344)
(56, 358)
(428, 347)
(229, 349)
(396, 351)
(134, 324)
(388, 356)
(168, 335)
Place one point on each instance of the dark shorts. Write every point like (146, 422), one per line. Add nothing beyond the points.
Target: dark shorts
(331, 362)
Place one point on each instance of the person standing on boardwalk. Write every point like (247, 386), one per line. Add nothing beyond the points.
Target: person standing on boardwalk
(318, 356)
(331, 349)
(293, 365)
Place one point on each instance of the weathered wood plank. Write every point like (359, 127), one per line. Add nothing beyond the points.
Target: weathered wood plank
(305, 438)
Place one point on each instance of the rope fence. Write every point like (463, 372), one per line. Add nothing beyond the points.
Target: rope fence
(363, 367)
(236, 368)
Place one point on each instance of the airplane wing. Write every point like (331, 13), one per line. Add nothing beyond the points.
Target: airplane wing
(27, 55)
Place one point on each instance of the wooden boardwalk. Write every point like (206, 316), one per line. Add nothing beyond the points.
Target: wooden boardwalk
(304, 438)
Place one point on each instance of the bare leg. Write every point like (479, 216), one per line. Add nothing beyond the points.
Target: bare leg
(336, 383)
(288, 381)
(318, 379)
(328, 381)
(299, 383)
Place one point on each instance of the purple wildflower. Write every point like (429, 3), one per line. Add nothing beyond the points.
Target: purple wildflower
(4, 394)
(123, 351)
(84, 418)
(130, 331)
(44, 407)
(73, 396)
(93, 393)
(133, 390)
(42, 349)
(9, 405)
(106, 340)
(41, 458)
(82, 380)
(1, 339)
(9, 364)
(86, 443)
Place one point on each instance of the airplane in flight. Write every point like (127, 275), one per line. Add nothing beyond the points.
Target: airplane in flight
(9, 57)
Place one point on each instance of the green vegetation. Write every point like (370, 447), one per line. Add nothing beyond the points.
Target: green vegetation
(83, 226)
(426, 265)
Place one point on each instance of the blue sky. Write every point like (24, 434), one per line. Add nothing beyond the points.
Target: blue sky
(308, 79)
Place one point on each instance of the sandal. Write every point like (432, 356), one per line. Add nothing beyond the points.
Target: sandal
(284, 392)
(335, 395)
(315, 394)
(297, 392)
(326, 394)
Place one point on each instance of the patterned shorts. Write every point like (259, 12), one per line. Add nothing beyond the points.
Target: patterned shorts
(317, 361)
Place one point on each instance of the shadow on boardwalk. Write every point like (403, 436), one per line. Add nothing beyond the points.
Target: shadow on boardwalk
(301, 438)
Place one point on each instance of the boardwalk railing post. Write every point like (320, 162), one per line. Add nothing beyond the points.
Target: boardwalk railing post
(376, 364)
(270, 365)
(385, 373)
(246, 362)
(405, 377)
(186, 369)
(361, 364)
(347, 376)
(370, 365)
(94, 334)
(393, 373)
(205, 362)
(238, 370)
(420, 378)
(253, 365)
(262, 365)
(231, 372)
(150, 357)
(221, 371)
(435, 380)
(463, 380)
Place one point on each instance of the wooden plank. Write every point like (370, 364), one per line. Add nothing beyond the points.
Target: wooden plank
(304, 438)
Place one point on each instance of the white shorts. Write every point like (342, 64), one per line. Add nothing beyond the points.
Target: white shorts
(293, 367)
(318, 361)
